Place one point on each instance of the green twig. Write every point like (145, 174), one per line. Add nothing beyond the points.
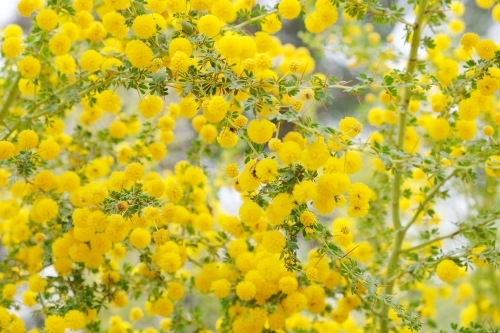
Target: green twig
(398, 172)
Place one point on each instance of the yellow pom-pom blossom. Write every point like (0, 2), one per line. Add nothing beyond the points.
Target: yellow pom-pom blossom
(289, 9)
(439, 128)
(274, 144)
(295, 302)
(439, 102)
(240, 121)
(150, 106)
(236, 248)
(311, 272)
(157, 151)
(376, 117)
(12, 47)
(273, 241)
(114, 23)
(66, 64)
(91, 61)
(54, 324)
(466, 130)
(209, 25)
(173, 190)
(447, 270)
(216, 109)
(280, 208)
(469, 40)
(315, 155)
(36, 283)
(266, 170)
(488, 130)
(208, 133)
(351, 162)
(29, 67)
(289, 152)
(456, 26)
(486, 49)
(232, 170)
(487, 85)
(197, 122)
(96, 32)
(448, 71)
(229, 46)
(136, 313)
(180, 44)
(288, 284)
(27, 139)
(350, 126)
(189, 107)
(495, 13)
(227, 138)
(305, 191)
(468, 109)
(45, 180)
(139, 54)
(271, 24)
(26, 7)
(59, 44)
(134, 172)
(457, 8)
(224, 10)
(307, 218)
(297, 105)
(12, 30)
(47, 19)
(7, 150)
(144, 26)
(246, 290)
(221, 288)
(140, 238)
(74, 320)
(260, 130)
(179, 62)
(492, 167)
(69, 181)
(117, 4)
(46, 209)
(82, 5)
(48, 149)
(485, 4)
(249, 212)
(109, 101)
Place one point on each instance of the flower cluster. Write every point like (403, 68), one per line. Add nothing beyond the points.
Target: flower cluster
(125, 121)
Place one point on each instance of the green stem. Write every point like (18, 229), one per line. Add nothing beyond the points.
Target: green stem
(28, 116)
(451, 235)
(58, 91)
(383, 13)
(398, 172)
(13, 93)
(429, 196)
(253, 19)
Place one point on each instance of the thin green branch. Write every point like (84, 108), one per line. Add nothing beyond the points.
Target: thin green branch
(11, 96)
(429, 196)
(398, 172)
(451, 235)
(383, 12)
(253, 19)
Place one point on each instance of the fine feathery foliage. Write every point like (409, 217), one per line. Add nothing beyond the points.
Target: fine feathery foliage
(123, 122)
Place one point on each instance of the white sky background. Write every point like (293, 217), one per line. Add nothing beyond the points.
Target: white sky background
(7, 11)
